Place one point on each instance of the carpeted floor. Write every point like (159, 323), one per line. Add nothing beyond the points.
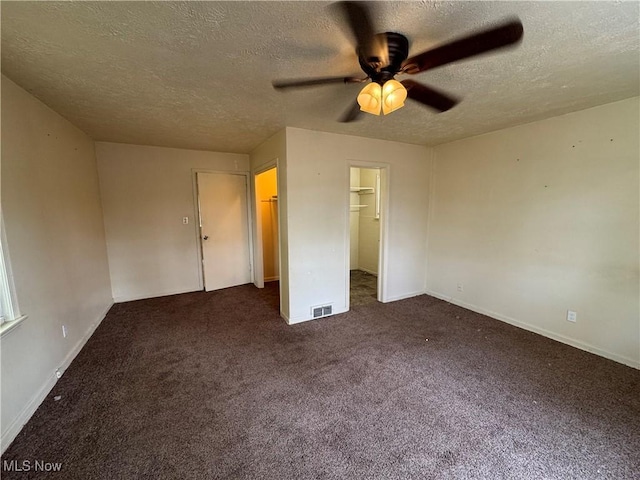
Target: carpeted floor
(216, 385)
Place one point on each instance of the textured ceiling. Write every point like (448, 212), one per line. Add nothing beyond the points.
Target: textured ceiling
(198, 74)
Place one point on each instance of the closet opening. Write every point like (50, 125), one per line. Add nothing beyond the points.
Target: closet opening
(364, 235)
(267, 258)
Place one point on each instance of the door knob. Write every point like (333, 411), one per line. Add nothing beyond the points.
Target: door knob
(206, 237)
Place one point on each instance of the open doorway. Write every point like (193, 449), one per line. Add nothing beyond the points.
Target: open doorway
(364, 235)
(268, 246)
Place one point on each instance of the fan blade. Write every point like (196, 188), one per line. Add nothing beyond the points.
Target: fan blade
(358, 16)
(475, 44)
(311, 82)
(429, 96)
(350, 115)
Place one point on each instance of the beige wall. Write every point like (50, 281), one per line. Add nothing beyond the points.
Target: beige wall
(543, 218)
(354, 219)
(55, 234)
(146, 192)
(364, 227)
(317, 176)
(369, 228)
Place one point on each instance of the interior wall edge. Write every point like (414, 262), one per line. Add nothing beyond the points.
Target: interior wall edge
(274, 149)
(431, 182)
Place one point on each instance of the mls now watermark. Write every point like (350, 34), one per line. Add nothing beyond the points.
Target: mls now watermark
(30, 466)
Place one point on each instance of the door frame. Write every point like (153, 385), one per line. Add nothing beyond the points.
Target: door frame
(197, 222)
(258, 254)
(385, 176)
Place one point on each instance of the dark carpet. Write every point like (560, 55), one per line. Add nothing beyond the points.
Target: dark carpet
(363, 288)
(216, 385)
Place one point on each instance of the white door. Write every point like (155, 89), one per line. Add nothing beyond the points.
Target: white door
(224, 229)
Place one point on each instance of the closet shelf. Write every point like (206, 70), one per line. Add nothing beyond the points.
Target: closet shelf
(362, 190)
(358, 206)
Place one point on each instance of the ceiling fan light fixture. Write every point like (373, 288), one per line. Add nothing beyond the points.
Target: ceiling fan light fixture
(393, 96)
(370, 97)
(388, 97)
(384, 55)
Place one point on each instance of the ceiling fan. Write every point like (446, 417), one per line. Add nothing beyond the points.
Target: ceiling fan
(382, 56)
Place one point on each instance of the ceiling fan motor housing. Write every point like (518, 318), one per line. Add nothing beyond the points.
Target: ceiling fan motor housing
(397, 52)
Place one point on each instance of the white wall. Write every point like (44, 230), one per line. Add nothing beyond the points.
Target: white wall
(317, 177)
(55, 234)
(146, 191)
(543, 218)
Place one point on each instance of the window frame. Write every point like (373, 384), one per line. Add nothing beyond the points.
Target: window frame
(10, 316)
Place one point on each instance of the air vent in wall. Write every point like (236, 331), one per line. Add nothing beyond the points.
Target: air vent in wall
(321, 311)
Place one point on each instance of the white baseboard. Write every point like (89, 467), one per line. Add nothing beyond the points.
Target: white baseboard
(271, 279)
(541, 331)
(370, 272)
(403, 297)
(294, 320)
(11, 432)
(144, 296)
(81, 343)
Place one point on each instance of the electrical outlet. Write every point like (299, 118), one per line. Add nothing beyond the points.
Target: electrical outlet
(64, 331)
(572, 316)
(185, 220)
(58, 373)
(461, 287)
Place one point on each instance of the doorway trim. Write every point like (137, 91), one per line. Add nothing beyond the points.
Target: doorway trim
(258, 253)
(196, 216)
(385, 176)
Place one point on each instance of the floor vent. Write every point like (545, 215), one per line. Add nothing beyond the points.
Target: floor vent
(321, 311)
